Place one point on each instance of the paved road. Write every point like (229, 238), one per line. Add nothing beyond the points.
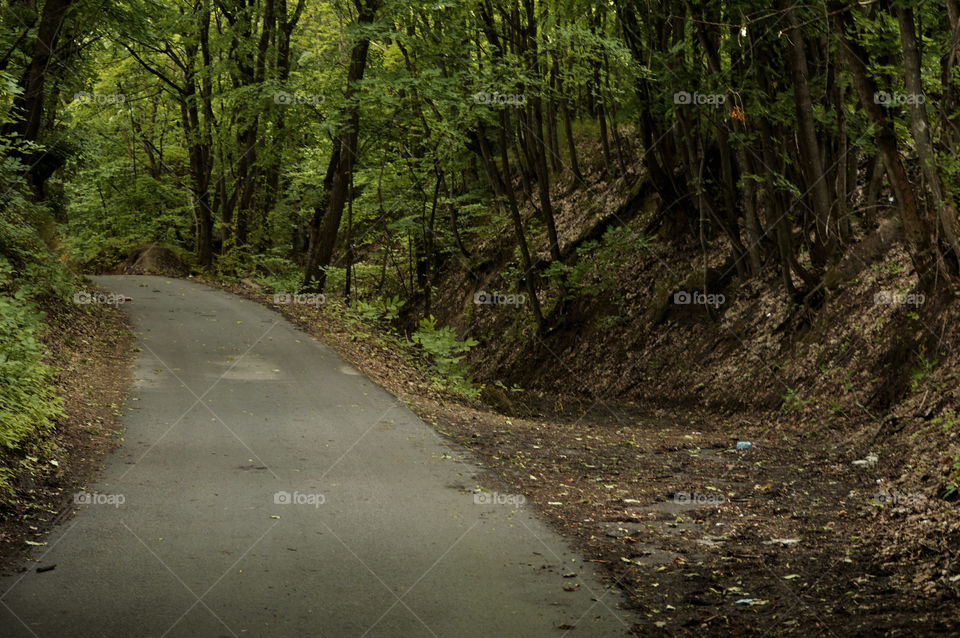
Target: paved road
(235, 411)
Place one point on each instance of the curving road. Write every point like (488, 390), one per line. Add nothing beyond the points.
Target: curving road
(266, 488)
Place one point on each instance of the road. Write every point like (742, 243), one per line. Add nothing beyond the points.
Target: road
(264, 487)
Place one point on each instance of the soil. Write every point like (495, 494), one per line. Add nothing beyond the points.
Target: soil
(780, 538)
(90, 348)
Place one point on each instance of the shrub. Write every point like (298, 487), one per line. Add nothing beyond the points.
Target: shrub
(28, 404)
(447, 354)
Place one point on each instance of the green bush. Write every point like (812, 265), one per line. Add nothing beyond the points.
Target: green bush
(594, 272)
(91, 252)
(236, 263)
(28, 271)
(27, 265)
(279, 274)
(386, 309)
(28, 404)
(107, 202)
(447, 354)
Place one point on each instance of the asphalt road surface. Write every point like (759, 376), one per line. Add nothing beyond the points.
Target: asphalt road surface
(264, 487)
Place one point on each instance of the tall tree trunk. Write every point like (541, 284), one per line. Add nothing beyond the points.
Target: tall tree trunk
(504, 191)
(915, 229)
(30, 102)
(949, 115)
(199, 151)
(751, 224)
(199, 181)
(727, 163)
(322, 242)
(552, 137)
(811, 165)
(574, 165)
(271, 181)
(942, 200)
(534, 135)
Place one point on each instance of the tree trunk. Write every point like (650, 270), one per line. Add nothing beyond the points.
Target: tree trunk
(504, 190)
(322, 243)
(552, 137)
(942, 201)
(811, 166)
(31, 101)
(914, 226)
(568, 130)
(271, 181)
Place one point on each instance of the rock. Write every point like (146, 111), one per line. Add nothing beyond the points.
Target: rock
(154, 259)
(498, 400)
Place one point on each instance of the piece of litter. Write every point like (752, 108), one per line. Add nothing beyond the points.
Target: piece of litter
(781, 541)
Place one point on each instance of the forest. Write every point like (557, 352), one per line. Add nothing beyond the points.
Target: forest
(336, 139)
(657, 228)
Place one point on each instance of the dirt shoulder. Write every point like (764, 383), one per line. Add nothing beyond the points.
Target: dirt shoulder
(90, 348)
(788, 536)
